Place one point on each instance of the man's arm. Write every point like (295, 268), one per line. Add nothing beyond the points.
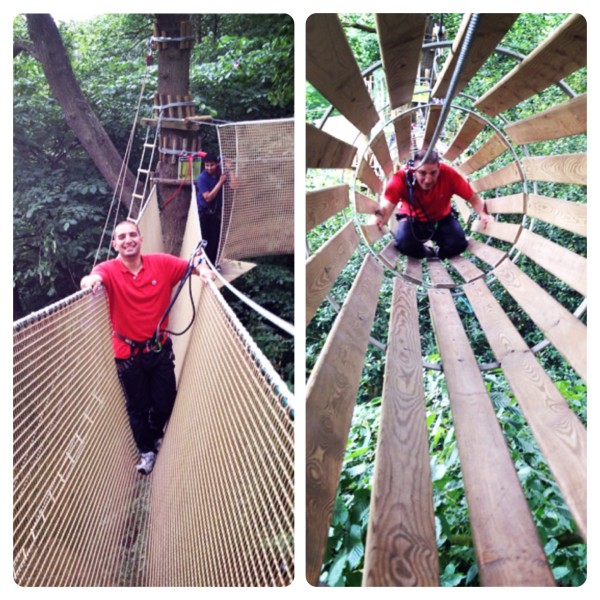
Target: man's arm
(212, 194)
(93, 280)
(479, 207)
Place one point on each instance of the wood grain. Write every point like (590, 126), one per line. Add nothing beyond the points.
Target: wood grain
(571, 216)
(324, 267)
(401, 542)
(400, 39)
(560, 434)
(561, 54)
(330, 397)
(507, 546)
(324, 203)
(568, 118)
(332, 69)
(324, 151)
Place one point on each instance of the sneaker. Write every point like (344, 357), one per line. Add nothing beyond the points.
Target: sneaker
(146, 464)
(431, 253)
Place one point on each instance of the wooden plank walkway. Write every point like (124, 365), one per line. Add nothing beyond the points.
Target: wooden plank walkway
(401, 541)
(330, 398)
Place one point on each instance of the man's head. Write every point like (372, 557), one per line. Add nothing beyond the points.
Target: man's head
(427, 173)
(127, 239)
(211, 163)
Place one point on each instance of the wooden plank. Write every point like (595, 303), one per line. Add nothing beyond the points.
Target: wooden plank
(380, 148)
(571, 216)
(492, 256)
(491, 28)
(440, 278)
(389, 255)
(568, 118)
(332, 69)
(433, 116)
(324, 151)
(567, 333)
(324, 267)
(507, 546)
(400, 40)
(561, 262)
(372, 233)
(232, 269)
(511, 173)
(469, 130)
(561, 54)
(413, 270)
(324, 203)
(561, 168)
(494, 147)
(364, 204)
(511, 204)
(507, 232)
(467, 270)
(402, 129)
(330, 397)
(401, 542)
(463, 208)
(560, 435)
(366, 174)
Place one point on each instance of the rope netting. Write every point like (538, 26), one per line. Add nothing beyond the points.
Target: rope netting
(258, 212)
(218, 509)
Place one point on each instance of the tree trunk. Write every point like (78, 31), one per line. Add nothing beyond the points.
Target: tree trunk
(50, 51)
(173, 86)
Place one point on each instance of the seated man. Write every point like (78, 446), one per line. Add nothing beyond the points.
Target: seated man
(425, 211)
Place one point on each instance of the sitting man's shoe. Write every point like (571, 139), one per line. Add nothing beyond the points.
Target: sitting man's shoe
(146, 464)
(431, 253)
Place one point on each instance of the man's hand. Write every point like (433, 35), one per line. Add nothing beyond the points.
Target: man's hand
(485, 219)
(93, 281)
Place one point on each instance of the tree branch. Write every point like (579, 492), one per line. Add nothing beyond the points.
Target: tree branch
(23, 46)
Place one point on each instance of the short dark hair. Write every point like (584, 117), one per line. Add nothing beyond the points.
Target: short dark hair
(127, 222)
(433, 157)
(211, 157)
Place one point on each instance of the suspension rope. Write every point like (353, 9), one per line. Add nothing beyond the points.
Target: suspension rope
(263, 312)
(446, 105)
(120, 187)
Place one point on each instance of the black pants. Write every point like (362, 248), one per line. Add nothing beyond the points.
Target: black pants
(447, 234)
(148, 380)
(210, 224)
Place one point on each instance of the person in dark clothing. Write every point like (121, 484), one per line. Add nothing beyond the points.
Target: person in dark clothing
(209, 196)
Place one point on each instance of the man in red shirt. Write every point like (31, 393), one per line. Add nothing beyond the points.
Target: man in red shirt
(139, 289)
(425, 211)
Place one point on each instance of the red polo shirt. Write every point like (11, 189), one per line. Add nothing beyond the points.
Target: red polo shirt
(436, 201)
(136, 303)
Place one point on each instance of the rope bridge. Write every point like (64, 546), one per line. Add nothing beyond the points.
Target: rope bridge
(218, 507)
(493, 279)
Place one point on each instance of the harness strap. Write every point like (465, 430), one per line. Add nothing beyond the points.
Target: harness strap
(150, 345)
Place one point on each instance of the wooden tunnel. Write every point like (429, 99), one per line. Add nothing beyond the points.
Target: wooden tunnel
(534, 190)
